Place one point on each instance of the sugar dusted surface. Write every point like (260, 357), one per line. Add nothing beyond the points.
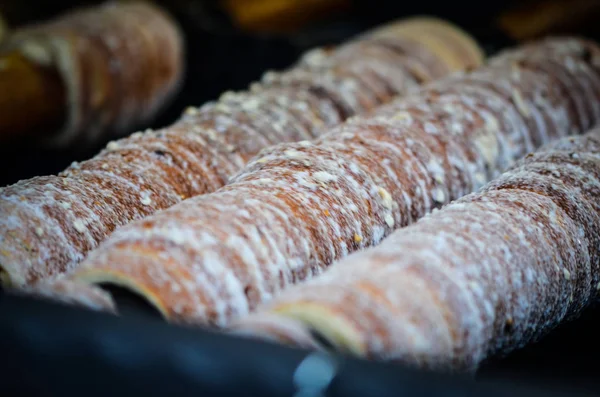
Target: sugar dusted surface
(48, 224)
(485, 275)
(298, 207)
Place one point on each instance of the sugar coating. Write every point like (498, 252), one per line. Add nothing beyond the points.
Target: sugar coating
(152, 170)
(485, 275)
(296, 208)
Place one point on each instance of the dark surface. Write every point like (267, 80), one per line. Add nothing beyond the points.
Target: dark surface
(567, 356)
(54, 350)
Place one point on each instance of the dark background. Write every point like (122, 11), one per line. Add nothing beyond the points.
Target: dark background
(222, 57)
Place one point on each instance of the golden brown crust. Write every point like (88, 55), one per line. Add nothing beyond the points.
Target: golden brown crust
(485, 275)
(119, 63)
(296, 208)
(48, 224)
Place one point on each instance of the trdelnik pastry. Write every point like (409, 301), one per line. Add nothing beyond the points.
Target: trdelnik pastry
(49, 223)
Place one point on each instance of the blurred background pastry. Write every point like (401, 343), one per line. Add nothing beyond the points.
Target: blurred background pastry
(87, 75)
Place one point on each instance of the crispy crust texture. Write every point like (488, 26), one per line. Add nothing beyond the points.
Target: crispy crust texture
(298, 207)
(49, 223)
(485, 275)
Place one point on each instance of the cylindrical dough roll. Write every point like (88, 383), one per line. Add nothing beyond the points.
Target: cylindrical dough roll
(48, 224)
(298, 207)
(118, 63)
(485, 275)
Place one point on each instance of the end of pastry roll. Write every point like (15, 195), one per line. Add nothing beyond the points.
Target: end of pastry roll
(9, 276)
(272, 327)
(95, 278)
(328, 326)
(116, 66)
(5, 278)
(456, 47)
(72, 293)
(33, 95)
(363, 333)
